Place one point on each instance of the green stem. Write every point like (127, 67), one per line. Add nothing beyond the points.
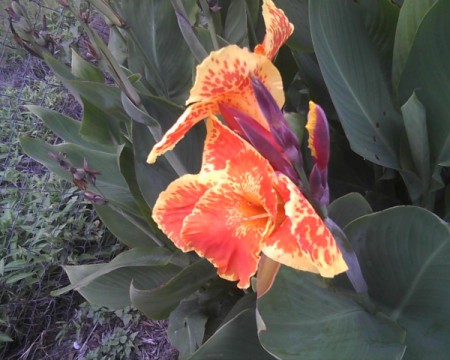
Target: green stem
(211, 28)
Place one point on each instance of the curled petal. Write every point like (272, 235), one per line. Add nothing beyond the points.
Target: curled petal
(225, 76)
(302, 240)
(178, 201)
(192, 115)
(278, 29)
(319, 136)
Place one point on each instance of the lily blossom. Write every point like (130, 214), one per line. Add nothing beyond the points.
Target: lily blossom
(224, 78)
(238, 208)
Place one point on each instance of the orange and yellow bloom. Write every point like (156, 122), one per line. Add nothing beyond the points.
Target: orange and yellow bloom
(224, 78)
(238, 207)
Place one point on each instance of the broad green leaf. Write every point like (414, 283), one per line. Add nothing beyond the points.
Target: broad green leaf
(110, 182)
(130, 229)
(187, 326)
(414, 118)
(85, 70)
(352, 70)
(380, 20)
(159, 303)
(405, 257)
(235, 339)
(348, 208)
(151, 178)
(426, 72)
(235, 27)
(109, 284)
(411, 16)
(301, 317)
(98, 125)
(66, 128)
(157, 49)
(297, 13)
(103, 115)
(190, 35)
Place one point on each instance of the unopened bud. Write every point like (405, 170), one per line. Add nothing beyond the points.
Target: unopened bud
(18, 8)
(94, 198)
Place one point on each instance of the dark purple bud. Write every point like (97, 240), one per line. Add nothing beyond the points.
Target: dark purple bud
(261, 139)
(318, 182)
(277, 123)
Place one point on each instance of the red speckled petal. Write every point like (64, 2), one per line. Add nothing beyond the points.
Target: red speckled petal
(191, 116)
(302, 240)
(278, 30)
(224, 76)
(319, 136)
(177, 202)
(220, 144)
(230, 220)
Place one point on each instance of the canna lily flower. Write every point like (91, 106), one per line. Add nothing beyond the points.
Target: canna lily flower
(319, 144)
(238, 208)
(224, 78)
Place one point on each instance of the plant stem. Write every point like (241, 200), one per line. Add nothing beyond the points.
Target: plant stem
(211, 28)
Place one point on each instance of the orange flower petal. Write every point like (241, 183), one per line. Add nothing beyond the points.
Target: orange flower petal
(224, 76)
(177, 202)
(230, 220)
(218, 143)
(278, 30)
(191, 116)
(302, 240)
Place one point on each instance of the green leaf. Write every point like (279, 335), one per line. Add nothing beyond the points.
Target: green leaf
(235, 27)
(4, 337)
(414, 118)
(130, 229)
(66, 128)
(85, 70)
(300, 317)
(426, 71)
(187, 326)
(348, 208)
(110, 182)
(297, 13)
(404, 253)
(352, 70)
(159, 303)
(235, 339)
(411, 16)
(157, 49)
(109, 284)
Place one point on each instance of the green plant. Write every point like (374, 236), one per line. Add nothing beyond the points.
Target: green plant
(388, 117)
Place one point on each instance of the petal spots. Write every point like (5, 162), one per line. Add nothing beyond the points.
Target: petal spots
(314, 238)
(278, 30)
(191, 116)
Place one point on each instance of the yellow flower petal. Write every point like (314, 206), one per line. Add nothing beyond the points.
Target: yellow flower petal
(315, 249)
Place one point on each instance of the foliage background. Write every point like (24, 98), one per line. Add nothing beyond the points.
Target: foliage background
(44, 222)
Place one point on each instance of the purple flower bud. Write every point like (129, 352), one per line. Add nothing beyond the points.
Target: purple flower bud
(261, 139)
(277, 123)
